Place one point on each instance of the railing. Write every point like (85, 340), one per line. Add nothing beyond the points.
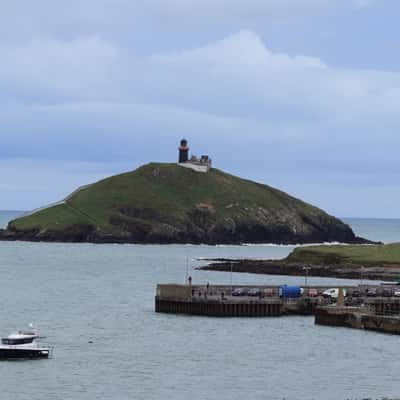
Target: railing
(387, 313)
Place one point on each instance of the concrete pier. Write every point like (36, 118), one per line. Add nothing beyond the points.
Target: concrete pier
(357, 318)
(360, 310)
(339, 316)
(218, 301)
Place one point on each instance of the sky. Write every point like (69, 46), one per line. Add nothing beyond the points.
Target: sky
(303, 95)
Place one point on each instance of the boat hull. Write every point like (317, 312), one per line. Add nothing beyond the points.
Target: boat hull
(9, 354)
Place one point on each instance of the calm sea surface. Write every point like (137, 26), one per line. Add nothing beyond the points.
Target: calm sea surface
(76, 293)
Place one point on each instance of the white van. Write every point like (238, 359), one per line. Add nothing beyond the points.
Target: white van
(333, 293)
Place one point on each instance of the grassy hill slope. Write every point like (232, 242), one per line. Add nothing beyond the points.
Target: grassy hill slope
(165, 203)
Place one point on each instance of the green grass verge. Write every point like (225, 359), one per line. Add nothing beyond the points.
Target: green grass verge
(341, 254)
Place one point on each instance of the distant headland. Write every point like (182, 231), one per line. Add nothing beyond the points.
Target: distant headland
(185, 202)
(375, 262)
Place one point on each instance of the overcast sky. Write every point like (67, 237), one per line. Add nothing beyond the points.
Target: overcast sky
(303, 95)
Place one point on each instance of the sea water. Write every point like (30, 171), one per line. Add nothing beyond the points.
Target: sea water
(95, 304)
(6, 216)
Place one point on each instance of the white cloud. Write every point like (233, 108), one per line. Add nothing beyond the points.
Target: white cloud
(256, 81)
(242, 49)
(46, 66)
(235, 79)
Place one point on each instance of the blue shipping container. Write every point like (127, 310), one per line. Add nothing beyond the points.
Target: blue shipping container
(289, 292)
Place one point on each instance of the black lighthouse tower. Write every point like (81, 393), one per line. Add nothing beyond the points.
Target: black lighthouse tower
(183, 151)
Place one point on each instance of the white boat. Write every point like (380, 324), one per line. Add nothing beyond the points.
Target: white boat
(22, 344)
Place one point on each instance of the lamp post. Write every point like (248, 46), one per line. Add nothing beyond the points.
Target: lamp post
(361, 274)
(187, 270)
(231, 278)
(306, 269)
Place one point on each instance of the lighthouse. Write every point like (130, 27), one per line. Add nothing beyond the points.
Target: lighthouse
(183, 151)
(202, 164)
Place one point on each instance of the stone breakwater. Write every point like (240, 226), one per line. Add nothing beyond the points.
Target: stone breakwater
(357, 318)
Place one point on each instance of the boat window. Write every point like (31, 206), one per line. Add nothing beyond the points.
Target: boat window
(16, 341)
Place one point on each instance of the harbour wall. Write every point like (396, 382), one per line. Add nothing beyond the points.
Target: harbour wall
(357, 318)
(220, 309)
(217, 301)
(375, 314)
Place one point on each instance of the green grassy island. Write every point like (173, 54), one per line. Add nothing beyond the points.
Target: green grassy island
(375, 262)
(165, 203)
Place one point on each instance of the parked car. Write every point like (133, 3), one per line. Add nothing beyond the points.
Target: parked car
(386, 292)
(240, 292)
(371, 292)
(332, 293)
(396, 293)
(237, 292)
(354, 293)
(313, 293)
(254, 292)
(269, 292)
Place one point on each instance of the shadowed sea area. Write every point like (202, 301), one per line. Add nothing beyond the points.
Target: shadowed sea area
(76, 293)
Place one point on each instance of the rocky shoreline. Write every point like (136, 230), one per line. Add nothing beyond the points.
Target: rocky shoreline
(281, 267)
(89, 234)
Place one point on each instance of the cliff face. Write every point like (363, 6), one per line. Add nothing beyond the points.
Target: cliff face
(165, 203)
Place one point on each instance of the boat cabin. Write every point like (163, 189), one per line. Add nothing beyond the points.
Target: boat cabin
(18, 339)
